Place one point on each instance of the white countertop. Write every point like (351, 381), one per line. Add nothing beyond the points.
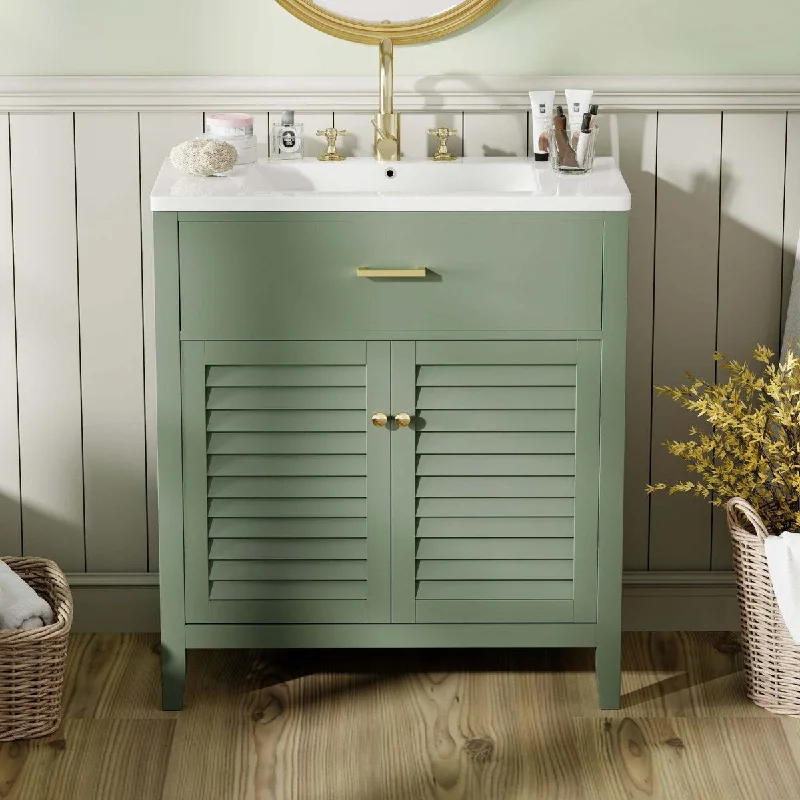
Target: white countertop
(362, 184)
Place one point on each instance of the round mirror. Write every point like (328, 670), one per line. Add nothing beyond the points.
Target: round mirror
(403, 21)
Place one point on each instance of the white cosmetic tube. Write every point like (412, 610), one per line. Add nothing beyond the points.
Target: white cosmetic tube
(578, 102)
(542, 119)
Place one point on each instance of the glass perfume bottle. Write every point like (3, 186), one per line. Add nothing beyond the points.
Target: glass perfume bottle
(287, 137)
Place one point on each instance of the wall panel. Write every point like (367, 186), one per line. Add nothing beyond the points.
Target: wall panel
(10, 512)
(685, 319)
(48, 350)
(791, 217)
(158, 132)
(750, 253)
(112, 387)
(360, 133)
(633, 140)
(712, 248)
(495, 134)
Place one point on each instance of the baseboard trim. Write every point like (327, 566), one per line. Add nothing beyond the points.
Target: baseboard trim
(679, 601)
(651, 601)
(421, 93)
(115, 602)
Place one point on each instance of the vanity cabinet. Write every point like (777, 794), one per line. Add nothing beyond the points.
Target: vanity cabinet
(289, 518)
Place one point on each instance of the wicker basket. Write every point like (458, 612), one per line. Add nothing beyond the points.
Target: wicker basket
(32, 662)
(771, 658)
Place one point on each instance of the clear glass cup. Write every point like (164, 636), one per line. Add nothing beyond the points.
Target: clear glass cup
(571, 150)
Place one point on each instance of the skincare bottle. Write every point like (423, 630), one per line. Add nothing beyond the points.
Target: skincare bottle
(578, 101)
(542, 120)
(287, 137)
(235, 129)
(566, 154)
(583, 139)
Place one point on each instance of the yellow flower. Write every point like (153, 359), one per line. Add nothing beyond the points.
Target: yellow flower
(749, 442)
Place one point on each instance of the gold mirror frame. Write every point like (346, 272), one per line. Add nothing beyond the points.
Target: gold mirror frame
(424, 30)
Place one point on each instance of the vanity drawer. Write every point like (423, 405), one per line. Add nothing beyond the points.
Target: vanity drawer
(293, 275)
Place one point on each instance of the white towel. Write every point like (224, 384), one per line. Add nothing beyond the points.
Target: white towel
(20, 606)
(783, 559)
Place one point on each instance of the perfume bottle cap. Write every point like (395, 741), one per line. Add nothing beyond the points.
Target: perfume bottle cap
(593, 109)
(559, 111)
(586, 123)
(287, 118)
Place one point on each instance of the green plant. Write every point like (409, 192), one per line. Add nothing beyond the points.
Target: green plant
(751, 448)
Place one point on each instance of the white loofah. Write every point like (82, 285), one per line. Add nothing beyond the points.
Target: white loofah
(203, 157)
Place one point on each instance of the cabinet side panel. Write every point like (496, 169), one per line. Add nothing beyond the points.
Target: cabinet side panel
(158, 132)
(170, 468)
(612, 438)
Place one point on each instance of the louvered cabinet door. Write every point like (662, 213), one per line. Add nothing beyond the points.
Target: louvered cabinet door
(495, 482)
(286, 516)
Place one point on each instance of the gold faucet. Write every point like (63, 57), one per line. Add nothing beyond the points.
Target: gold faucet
(386, 122)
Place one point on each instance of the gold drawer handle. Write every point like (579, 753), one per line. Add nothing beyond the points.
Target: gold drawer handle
(402, 420)
(416, 272)
(379, 419)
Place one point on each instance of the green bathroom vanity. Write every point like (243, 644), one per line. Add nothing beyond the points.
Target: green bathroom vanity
(424, 452)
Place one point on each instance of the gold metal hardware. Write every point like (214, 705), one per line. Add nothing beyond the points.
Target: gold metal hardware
(386, 122)
(415, 272)
(442, 134)
(402, 420)
(357, 30)
(387, 137)
(331, 135)
(379, 419)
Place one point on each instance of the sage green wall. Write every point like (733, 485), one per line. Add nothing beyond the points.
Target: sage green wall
(257, 37)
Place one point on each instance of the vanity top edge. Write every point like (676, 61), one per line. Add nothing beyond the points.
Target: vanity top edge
(310, 185)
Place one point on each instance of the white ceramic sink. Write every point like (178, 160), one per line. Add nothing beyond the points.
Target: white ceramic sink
(362, 184)
(478, 176)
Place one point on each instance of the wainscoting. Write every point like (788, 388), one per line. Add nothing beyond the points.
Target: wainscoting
(714, 169)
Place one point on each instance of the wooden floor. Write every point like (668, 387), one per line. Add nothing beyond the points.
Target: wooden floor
(460, 725)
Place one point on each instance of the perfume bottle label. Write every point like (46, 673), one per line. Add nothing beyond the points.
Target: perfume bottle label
(290, 141)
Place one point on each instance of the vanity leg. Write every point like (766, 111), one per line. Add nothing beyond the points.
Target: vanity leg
(608, 669)
(173, 676)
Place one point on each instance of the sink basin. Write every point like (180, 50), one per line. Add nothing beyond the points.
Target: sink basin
(362, 184)
(476, 176)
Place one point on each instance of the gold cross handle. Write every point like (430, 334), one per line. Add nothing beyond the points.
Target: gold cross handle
(443, 134)
(331, 135)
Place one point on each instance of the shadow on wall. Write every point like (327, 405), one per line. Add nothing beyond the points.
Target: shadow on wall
(701, 279)
(431, 85)
(99, 531)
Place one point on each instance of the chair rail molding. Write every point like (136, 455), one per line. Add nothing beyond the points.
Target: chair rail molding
(420, 93)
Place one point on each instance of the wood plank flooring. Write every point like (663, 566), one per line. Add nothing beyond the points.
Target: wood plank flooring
(443, 725)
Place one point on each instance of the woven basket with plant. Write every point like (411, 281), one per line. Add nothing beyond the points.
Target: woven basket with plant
(747, 458)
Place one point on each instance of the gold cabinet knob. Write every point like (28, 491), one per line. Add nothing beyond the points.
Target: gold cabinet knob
(402, 419)
(379, 419)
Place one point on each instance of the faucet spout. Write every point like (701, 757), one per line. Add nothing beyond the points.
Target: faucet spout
(386, 77)
(386, 122)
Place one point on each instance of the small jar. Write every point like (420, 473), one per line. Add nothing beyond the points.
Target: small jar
(236, 129)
